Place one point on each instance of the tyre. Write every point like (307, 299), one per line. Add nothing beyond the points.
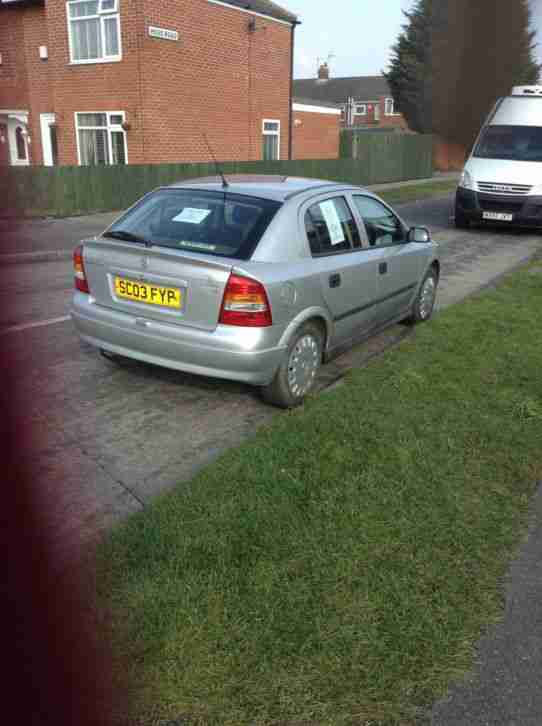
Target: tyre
(422, 308)
(296, 375)
(461, 221)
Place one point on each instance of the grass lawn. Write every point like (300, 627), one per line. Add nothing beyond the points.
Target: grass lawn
(339, 567)
(418, 192)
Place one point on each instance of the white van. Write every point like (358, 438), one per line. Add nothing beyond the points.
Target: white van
(502, 179)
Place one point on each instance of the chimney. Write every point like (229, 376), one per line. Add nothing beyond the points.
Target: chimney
(323, 72)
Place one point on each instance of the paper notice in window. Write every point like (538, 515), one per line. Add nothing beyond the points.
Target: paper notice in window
(192, 216)
(333, 222)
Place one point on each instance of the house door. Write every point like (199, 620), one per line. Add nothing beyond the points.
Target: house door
(48, 139)
(4, 145)
(18, 142)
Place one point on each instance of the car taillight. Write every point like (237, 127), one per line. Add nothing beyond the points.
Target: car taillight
(245, 304)
(81, 283)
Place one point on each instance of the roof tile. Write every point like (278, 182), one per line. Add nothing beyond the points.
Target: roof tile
(339, 90)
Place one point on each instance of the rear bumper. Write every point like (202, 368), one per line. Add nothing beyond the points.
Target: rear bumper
(527, 211)
(238, 354)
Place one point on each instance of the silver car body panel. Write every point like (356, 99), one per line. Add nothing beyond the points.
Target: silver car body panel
(201, 278)
(296, 283)
(220, 354)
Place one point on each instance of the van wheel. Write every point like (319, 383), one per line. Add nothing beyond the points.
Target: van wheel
(296, 375)
(423, 306)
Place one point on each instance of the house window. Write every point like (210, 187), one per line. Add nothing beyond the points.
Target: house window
(271, 141)
(361, 109)
(20, 144)
(94, 30)
(101, 138)
(388, 107)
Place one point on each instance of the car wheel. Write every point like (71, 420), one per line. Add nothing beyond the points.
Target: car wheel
(423, 306)
(461, 221)
(296, 375)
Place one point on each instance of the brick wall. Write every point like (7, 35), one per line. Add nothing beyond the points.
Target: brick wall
(396, 120)
(316, 135)
(218, 79)
(38, 76)
(24, 77)
(13, 78)
(369, 119)
(448, 156)
(112, 86)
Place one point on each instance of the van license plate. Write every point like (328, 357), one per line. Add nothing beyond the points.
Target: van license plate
(166, 297)
(499, 216)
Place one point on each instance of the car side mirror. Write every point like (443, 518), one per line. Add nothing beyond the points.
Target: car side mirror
(421, 235)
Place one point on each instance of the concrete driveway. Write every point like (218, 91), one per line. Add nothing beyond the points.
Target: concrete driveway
(109, 438)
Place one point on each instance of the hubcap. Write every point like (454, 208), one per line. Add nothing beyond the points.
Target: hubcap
(427, 298)
(303, 365)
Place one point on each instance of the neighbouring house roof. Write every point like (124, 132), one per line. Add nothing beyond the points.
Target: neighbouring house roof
(315, 102)
(265, 7)
(339, 90)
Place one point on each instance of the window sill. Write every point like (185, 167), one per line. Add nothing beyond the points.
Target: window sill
(95, 61)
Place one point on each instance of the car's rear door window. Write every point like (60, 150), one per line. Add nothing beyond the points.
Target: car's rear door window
(383, 227)
(207, 222)
(331, 227)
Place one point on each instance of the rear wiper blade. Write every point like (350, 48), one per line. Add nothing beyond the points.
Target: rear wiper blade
(127, 236)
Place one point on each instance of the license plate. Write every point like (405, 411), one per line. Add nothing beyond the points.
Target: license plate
(499, 216)
(166, 297)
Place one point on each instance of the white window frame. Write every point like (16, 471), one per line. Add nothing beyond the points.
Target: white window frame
(46, 121)
(392, 112)
(277, 133)
(109, 128)
(102, 16)
(360, 106)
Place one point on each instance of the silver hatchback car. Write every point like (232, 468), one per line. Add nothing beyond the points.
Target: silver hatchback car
(254, 279)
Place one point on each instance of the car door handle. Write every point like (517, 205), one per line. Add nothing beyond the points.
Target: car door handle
(335, 280)
(383, 268)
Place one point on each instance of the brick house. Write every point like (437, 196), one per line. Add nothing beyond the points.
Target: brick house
(366, 101)
(140, 81)
(316, 129)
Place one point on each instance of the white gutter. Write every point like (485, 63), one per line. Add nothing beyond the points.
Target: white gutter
(250, 12)
(307, 108)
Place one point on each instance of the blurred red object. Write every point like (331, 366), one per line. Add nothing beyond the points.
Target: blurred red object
(56, 670)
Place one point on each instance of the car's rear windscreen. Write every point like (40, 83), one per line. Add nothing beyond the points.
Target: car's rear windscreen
(206, 222)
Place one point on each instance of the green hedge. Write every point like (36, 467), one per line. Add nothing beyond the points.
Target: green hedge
(65, 191)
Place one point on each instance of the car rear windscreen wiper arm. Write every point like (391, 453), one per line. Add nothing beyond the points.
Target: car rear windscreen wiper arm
(127, 236)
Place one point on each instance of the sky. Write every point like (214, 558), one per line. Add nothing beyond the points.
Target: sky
(536, 8)
(357, 32)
